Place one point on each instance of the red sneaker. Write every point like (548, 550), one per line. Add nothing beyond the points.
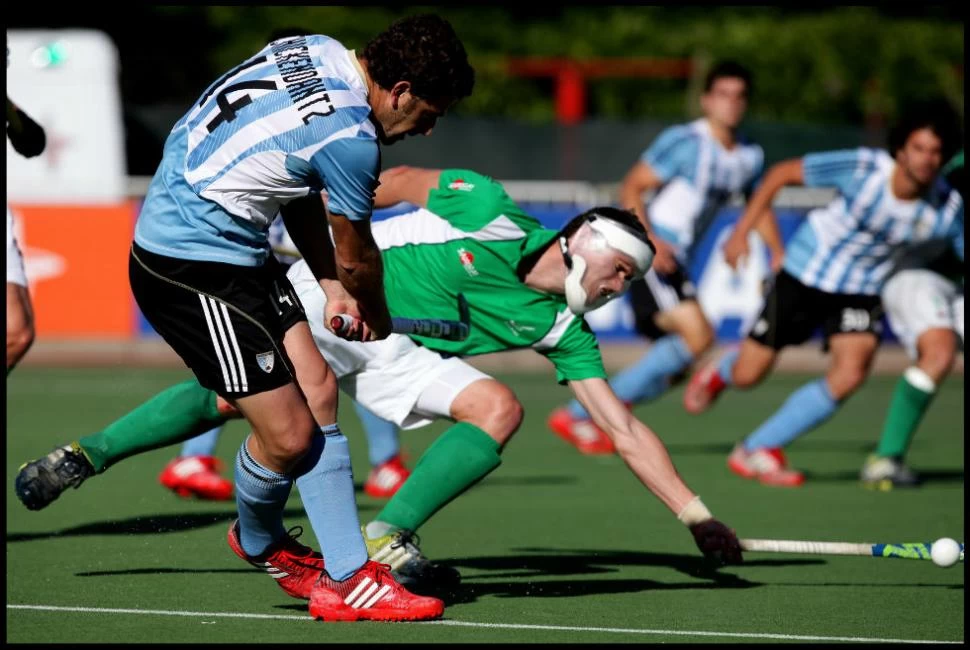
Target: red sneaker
(385, 479)
(703, 389)
(196, 475)
(295, 567)
(371, 594)
(582, 434)
(769, 466)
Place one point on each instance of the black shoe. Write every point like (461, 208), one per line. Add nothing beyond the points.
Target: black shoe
(408, 564)
(41, 481)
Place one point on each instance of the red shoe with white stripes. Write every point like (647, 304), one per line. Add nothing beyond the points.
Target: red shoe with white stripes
(295, 567)
(371, 594)
(387, 478)
(702, 389)
(196, 475)
(588, 438)
(769, 466)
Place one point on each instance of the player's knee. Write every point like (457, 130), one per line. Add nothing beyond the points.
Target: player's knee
(699, 338)
(746, 376)
(937, 354)
(287, 439)
(508, 414)
(19, 339)
(501, 417)
(845, 380)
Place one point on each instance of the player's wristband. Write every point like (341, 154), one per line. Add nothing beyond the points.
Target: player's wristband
(694, 512)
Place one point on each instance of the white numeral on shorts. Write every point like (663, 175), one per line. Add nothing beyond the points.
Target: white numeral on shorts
(855, 320)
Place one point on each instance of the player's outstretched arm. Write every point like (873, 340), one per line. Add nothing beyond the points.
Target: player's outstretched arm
(788, 172)
(645, 454)
(403, 183)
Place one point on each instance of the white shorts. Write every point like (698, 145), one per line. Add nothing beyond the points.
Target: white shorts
(918, 300)
(396, 378)
(15, 261)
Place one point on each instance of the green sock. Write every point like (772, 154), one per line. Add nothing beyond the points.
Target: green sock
(913, 394)
(462, 456)
(174, 415)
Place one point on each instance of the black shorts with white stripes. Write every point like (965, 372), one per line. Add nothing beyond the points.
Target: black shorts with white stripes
(226, 321)
(793, 312)
(658, 293)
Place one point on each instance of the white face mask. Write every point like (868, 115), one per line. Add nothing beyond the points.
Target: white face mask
(604, 238)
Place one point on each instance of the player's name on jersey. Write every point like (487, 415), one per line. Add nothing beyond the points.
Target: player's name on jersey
(302, 78)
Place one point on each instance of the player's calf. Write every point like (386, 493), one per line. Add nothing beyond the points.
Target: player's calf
(41, 481)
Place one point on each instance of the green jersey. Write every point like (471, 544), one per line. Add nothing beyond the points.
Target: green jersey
(471, 239)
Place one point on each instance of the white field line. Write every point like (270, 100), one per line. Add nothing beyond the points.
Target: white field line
(503, 626)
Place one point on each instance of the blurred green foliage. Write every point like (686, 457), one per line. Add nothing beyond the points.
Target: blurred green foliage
(835, 65)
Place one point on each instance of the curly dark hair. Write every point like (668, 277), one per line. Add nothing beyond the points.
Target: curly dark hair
(425, 51)
(933, 114)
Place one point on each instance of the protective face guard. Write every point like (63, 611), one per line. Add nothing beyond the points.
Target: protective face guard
(607, 236)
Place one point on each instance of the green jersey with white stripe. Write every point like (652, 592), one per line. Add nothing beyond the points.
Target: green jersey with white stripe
(472, 239)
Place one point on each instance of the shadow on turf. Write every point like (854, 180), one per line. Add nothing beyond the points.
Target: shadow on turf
(152, 524)
(926, 476)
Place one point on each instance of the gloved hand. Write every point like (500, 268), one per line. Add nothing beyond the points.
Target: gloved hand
(717, 542)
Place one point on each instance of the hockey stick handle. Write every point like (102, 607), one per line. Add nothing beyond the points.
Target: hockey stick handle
(450, 330)
(909, 551)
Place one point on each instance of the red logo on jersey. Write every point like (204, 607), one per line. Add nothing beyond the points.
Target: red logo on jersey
(467, 261)
(460, 184)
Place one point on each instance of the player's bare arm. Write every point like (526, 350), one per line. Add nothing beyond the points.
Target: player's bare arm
(788, 172)
(411, 184)
(360, 273)
(647, 457)
(640, 179)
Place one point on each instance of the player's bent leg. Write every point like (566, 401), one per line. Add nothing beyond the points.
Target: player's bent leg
(458, 459)
(324, 478)
(852, 355)
(742, 368)
(20, 324)
(914, 392)
(282, 430)
(174, 415)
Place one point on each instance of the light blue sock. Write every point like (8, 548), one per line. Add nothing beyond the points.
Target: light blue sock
(804, 409)
(649, 377)
(261, 495)
(203, 444)
(382, 438)
(726, 365)
(326, 485)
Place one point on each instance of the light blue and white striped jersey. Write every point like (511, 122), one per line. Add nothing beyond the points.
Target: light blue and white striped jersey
(699, 177)
(291, 120)
(849, 246)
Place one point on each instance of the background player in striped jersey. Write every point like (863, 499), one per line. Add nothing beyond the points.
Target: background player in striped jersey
(695, 169)
(834, 268)
(28, 139)
(303, 115)
(923, 300)
(527, 286)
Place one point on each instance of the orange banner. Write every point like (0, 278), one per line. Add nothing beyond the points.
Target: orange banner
(76, 259)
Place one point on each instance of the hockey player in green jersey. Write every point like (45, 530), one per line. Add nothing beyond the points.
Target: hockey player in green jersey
(526, 287)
